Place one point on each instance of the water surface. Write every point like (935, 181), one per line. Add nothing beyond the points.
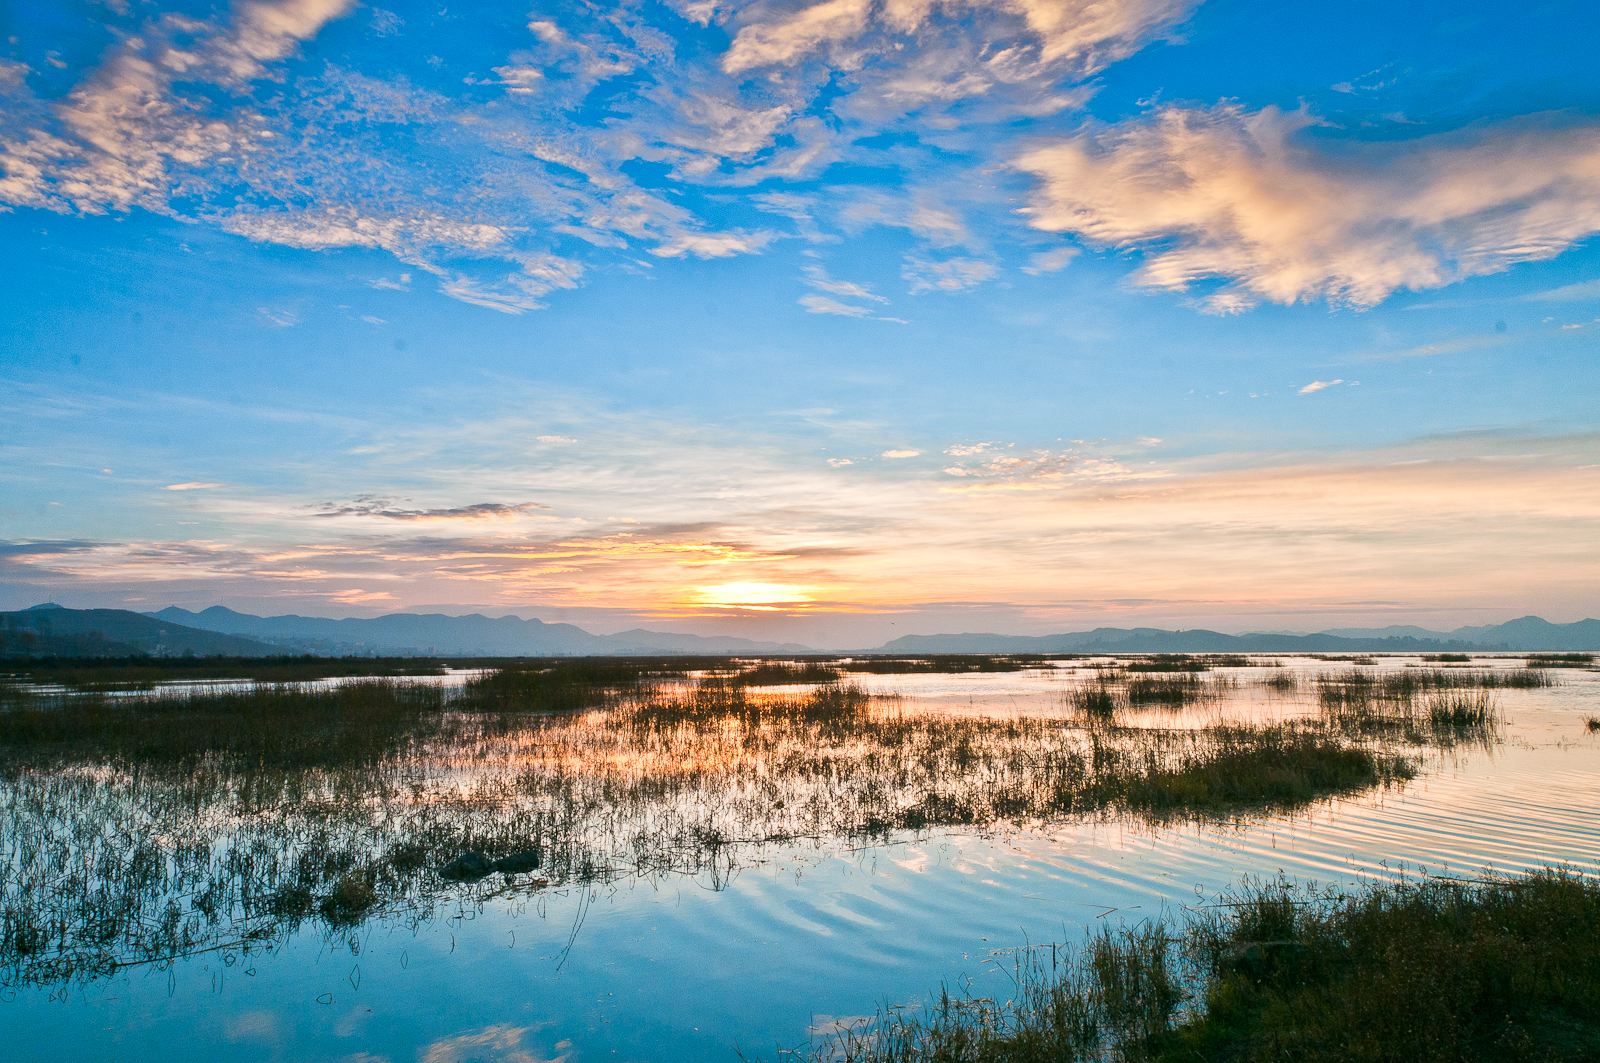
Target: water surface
(762, 957)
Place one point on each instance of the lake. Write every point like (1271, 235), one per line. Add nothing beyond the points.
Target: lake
(763, 947)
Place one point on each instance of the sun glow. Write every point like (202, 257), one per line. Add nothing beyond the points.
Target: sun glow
(762, 597)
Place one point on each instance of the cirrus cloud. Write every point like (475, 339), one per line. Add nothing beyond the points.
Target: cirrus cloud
(1282, 210)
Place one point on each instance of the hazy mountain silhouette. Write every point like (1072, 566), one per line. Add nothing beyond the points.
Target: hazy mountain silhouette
(46, 630)
(52, 630)
(1527, 633)
(473, 635)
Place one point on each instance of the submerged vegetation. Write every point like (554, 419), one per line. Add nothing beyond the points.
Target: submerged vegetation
(1419, 969)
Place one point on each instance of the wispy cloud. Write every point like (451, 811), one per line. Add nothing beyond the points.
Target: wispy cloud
(1285, 213)
(956, 274)
(389, 509)
(194, 485)
(1320, 385)
(1567, 293)
(511, 191)
(826, 304)
(831, 293)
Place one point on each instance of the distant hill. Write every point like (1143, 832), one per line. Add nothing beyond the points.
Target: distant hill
(714, 645)
(1535, 633)
(53, 631)
(474, 635)
(1527, 634)
(1524, 633)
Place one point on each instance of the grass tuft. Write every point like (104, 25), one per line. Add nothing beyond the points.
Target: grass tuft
(1423, 969)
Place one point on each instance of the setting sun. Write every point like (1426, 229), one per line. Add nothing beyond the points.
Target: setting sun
(745, 594)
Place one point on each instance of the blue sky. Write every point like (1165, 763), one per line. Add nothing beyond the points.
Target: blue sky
(826, 320)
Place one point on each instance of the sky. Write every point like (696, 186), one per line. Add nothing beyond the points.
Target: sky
(826, 321)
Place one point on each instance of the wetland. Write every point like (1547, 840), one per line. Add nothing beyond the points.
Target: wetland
(830, 858)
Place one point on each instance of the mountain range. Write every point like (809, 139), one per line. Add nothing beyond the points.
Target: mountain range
(1526, 633)
(53, 630)
(437, 634)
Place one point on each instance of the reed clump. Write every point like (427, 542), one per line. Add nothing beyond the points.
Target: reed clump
(953, 663)
(1561, 660)
(1095, 700)
(1284, 682)
(1422, 969)
(784, 673)
(1171, 662)
(1418, 707)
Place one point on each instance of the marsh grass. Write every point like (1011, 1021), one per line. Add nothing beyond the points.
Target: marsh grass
(1200, 662)
(1422, 707)
(1094, 700)
(571, 685)
(952, 663)
(784, 673)
(1561, 660)
(1175, 691)
(1285, 682)
(273, 725)
(1447, 658)
(1461, 710)
(1171, 662)
(1107, 692)
(99, 673)
(1420, 969)
(143, 829)
(1411, 682)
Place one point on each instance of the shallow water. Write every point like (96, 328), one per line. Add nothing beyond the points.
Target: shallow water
(819, 933)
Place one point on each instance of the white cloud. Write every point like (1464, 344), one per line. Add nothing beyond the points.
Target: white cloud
(125, 135)
(1050, 261)
(279, 317)
(787, 38)
(958, 274)
(1285, 213)
(519, 79)
(968, 450)
(712, 245)
(901, 455)
(818, 278)
(1567, 293)
(819, 303)
(1085, 34)
(824, 304)
(194, 485)
(991, 463)
(1320, 385)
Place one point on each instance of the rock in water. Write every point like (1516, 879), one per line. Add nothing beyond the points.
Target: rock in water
(467, 867)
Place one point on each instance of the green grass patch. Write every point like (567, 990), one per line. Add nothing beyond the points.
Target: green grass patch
(1418, 970)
